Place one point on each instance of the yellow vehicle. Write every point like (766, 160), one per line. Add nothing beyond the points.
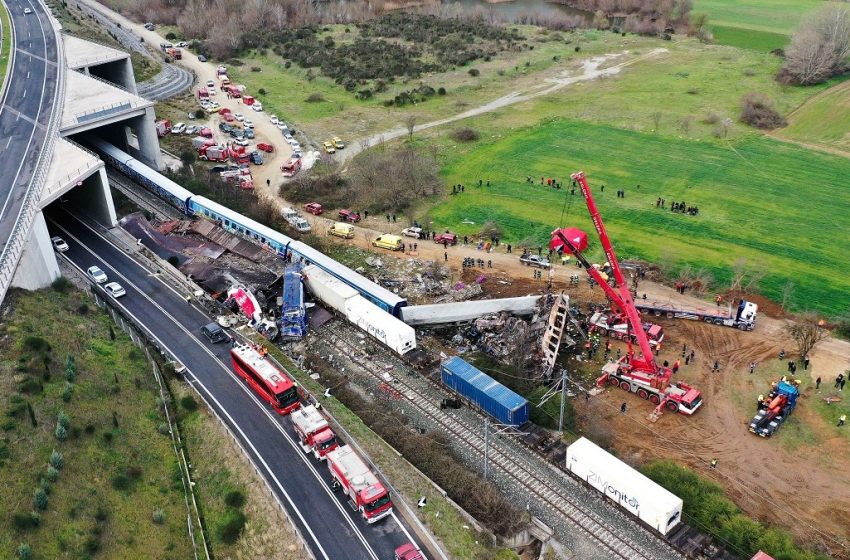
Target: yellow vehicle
(329, 148)
(387, 241)
(346, 231)
(338, 143)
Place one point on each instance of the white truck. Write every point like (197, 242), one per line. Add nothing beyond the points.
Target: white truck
(741, 317)
(629, 489)
(295, 219)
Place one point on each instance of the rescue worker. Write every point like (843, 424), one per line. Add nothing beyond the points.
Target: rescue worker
(842, 419)
(760, 402)
(714, 463)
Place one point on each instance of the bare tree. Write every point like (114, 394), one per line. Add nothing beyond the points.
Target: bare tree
(819, 47)
(745, 276)
(787, 294)
(686, 123)
(410, 123)
(807, 330)
(656, 119)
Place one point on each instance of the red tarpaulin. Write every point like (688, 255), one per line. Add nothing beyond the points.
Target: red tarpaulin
(575, 236)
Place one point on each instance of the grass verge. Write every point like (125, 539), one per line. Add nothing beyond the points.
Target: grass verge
(6, 44)
(115, 494)
(459, 539)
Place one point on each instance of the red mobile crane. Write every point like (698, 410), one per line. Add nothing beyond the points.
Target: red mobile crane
(636, 374)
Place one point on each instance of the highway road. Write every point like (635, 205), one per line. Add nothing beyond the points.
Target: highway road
(26, 107)
(302, 484)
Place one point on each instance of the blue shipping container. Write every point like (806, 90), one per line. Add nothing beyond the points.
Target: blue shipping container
(491, 396)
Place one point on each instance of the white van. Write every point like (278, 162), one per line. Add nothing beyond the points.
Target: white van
(289, 213)
(300, 224)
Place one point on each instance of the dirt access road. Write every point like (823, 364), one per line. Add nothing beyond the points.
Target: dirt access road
(264, 129)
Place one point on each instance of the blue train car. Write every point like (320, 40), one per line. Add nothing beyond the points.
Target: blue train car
(293, 316)
(488, 394)
(155, 182)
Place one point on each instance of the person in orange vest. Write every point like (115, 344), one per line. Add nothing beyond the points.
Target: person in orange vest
(676, 365)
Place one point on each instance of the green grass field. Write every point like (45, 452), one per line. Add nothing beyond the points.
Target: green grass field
(117, 469)
(759, 199)
(743, 38)
(6, 43)
(824, 120)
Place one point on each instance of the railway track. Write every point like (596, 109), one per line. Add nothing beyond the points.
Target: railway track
(140, 197)
(558, 500)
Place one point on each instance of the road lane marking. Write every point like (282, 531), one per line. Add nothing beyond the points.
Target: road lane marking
(260, 404)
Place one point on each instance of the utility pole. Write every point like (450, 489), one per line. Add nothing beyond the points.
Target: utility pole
(563, 399)
(486, 448)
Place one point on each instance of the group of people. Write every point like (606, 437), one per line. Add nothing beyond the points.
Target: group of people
(681, 207)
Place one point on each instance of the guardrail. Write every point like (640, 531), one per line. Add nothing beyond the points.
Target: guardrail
(14, 248)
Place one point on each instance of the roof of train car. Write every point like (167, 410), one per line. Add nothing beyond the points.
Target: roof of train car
(265, 231)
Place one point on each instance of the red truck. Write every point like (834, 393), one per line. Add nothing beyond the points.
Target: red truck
(362, 487)
(408, 552)
(203, 93)
(349, 216)
(448, 237)
(174, 53)
(163, 127)
(232, 90)
(291, 167)
(239, 154)
(213, 153)
(247, 99)
(314, 208)
(240, 177)
(314, 433)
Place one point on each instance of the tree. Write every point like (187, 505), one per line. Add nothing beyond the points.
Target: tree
(686, 123)
(410, 124)
(818, 48)
(807, 330)
(600, 21)
(787, 294)
(745, 276)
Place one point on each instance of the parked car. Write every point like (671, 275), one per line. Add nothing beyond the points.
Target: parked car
(348, 215)
(534, 260)
(224, 127)
(210, 83)
(448, 237)
(414, 232)
(313, 208)
(239, 117)
(257, 107)
(338, 143)
(228, 117)
(282, 126)
(192, 129)
(149, 26)
(202, 58)
(182, 44)
(265, 147)
(273, 119)
(295, 145)
(248, 123)
(256, 158)
(114, 289)
(287, 136)
(178, 128)
(96, 274)
(241, 142)
(59, 244)
(296, 154)
(206, 132)
(215, 333)
(249, 133)
(329, 147)
(220, 168)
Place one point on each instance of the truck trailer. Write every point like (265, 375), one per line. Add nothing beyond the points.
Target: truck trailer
(741, 317)
(314, 433)
(360, 484)
(629, 489)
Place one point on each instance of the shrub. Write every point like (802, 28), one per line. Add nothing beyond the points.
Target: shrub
(24, 551)
(52, 473)
(92, 544)
(31, 413)
(83, 308)
(170, 36)
(158, 516)
(163, 429)
(231, 526)
(441, 90)
(315, 98)
(261, 91)
(44, 484)
(712, 118)
(56, 460)
(490, 229)
(39, 499)
(235, 499)
(63, 420)
(465, 135)
(189, 403)
(101, 514)
(30, 385)
(36, 344)
(758, 111)
(121, 482)
(24, 521)
(61, 433)
(108, 437)
(134, 472)
(61, 285)
(35, 518)
(68, 391)
(256, 69)
(474, 72)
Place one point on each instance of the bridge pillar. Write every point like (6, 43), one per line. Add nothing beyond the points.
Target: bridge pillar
(145, 127)
(37, 267)
(92, 198)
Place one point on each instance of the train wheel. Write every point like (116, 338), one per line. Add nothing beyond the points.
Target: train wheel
(672, 406)
(624, 385)
(613, 381)
(643, 393)
(657, 313)
(669, 315)
(654, 399)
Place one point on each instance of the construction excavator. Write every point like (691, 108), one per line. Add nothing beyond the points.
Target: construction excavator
(635, 373)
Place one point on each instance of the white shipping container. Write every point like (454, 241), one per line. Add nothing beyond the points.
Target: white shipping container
(379, 324)
(329, 290)
(632, 491)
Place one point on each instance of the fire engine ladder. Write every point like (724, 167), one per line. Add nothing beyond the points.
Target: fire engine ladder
(558, 317)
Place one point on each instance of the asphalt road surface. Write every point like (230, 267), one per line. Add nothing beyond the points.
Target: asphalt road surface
(26, 107)
(302, 484)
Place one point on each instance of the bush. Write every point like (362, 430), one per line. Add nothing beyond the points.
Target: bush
(315, 98)
(441, 90)
(101, 514)
(24, 551)
(256, 69)
(92, 544)
(56, 460)
(158, 516)
(67, 392)
(44, 484)
(61, 433)
(61, 285)
(465, 135)
(83, 309)
(758, 111)
(231, 526)
(474, 72)
(39, 499)
(52, 473)
(36, 344)
(63, 420)
(170, 36)
(261, 91)
(121, 482)
(25, 521)
(189, 403)
(163, 429)
(235, 499)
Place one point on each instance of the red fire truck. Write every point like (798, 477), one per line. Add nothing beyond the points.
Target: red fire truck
(362, 487)
(314, 433)
(273, 385)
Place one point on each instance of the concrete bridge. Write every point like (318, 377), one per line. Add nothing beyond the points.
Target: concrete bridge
(59, 89)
